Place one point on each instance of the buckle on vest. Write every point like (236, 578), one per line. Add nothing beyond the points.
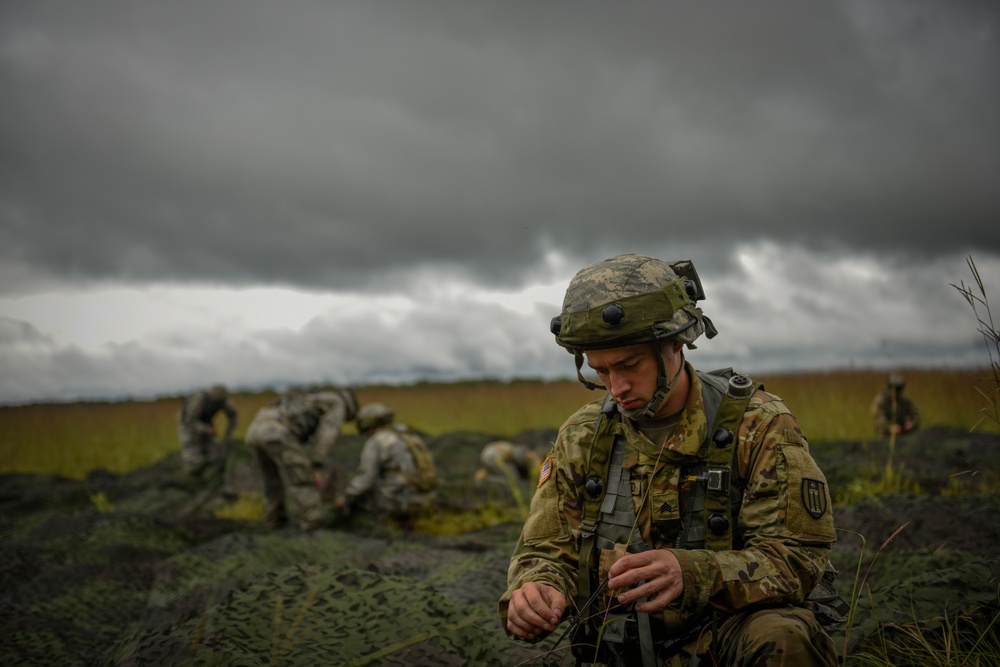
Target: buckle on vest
(718, 480)
(615, 626)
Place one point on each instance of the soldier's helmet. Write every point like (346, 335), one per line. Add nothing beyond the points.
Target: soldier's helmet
(218, 392)
(895, 381)
(374, 414)
(631, 299)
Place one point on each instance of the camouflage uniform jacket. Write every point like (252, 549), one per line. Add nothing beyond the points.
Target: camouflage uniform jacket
(198, 411)
(785, 546)
(315, 420)
(384, 474)
(888, 408)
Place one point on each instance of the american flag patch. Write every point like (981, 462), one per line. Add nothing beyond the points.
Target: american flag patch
(546, 470)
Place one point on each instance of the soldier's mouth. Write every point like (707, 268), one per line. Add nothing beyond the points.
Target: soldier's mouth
(629, 404)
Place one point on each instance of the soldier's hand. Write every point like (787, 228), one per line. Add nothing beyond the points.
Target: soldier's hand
(318, 479)
(661, 573)
(534, 609)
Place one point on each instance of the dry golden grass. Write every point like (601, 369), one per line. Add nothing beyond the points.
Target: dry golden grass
(73, 439)
(837, 405)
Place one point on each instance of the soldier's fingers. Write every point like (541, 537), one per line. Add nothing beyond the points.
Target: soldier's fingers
(520, 628)
(626, 563)
(656, 596)
(650, 582)
(524, 621)
(555, 602)
(538, 604)
(548, 603)
(628, 577)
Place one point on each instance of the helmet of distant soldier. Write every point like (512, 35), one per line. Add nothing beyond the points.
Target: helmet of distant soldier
(372, 415)
(218, 392)
(895, 381)
(631, 299)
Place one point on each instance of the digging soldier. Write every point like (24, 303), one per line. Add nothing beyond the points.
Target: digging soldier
(502, 461)
(201, 454)
(683, 516)
(290, 441)
(396, 477)
(894, 412)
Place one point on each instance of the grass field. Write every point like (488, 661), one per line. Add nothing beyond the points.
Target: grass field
(73, 439)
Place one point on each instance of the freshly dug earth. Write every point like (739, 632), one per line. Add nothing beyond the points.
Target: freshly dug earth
(137, 570)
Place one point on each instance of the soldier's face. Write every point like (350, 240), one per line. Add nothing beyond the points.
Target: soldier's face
(628, 373)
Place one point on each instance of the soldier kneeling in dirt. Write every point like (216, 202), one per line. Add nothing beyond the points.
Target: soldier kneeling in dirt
(396, 477)
(681, 521)
(289, 441)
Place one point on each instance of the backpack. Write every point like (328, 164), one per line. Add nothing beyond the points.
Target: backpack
(425, 474)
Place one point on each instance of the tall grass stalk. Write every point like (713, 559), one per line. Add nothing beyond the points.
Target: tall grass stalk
(282, 646)
(989, 387)
(960, 641)
(862, 583)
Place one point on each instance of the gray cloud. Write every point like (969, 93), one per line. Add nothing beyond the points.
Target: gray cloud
(343, 145)
(778, 308)
(827, 166)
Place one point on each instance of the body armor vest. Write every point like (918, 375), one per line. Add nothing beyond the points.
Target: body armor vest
(711, 492)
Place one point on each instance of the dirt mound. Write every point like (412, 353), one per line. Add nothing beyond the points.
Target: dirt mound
(136, 569)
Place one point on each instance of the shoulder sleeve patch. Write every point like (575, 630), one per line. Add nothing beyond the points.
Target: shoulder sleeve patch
(545, 472)
(808, 509)
(814, 497)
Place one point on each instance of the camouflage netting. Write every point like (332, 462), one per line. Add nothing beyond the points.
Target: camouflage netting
(138, 570)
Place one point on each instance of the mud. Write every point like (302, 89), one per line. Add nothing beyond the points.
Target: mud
(136, 569)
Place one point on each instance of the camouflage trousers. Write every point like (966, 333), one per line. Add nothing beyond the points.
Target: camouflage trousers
(201, 454)
(286, 472)
(789, 636)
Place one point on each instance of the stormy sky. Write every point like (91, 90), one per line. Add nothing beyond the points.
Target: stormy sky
(267, 194)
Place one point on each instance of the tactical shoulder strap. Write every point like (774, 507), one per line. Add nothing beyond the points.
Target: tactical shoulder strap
(713, 489)
(597, 472)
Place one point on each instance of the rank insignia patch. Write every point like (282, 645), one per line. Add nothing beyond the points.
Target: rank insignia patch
(814, 497)
(545, 472)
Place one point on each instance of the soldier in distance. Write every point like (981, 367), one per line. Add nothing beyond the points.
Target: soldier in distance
(202, 455)
(893, 411)
(290, 441)
(395, 478)
(502, 461)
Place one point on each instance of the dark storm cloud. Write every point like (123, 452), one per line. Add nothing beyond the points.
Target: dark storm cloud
(334, 145)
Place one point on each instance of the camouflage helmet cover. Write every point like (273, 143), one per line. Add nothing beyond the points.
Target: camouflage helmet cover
(374, 414)
(631, 299)
(218, 392)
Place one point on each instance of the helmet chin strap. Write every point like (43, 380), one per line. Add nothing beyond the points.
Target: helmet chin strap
(663, 389)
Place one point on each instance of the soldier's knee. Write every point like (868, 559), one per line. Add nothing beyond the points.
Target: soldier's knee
(789, 636)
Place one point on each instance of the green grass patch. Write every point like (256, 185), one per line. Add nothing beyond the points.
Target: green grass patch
(246, 507)
(459, 521)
